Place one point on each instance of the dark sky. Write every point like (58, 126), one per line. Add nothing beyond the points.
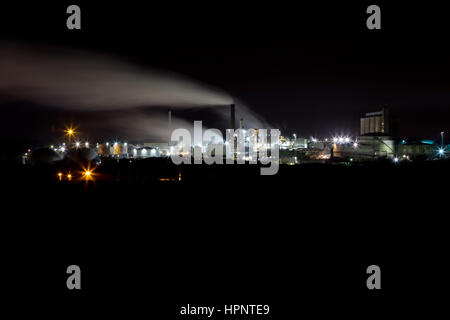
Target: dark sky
(307, 69)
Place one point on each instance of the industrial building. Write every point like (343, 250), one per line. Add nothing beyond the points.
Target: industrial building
(378, 122)
(116, 149)
(372, 143)
(418, 149)
(366, 147)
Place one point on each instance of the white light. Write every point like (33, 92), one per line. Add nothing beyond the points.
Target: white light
(355, 145)
(340, 140)
(115, 144)
(441, 151)
(347, 139)
(87, 144)
(125, 144)
(77, 144)
(107, 144)
(396, 159)
(335, 139)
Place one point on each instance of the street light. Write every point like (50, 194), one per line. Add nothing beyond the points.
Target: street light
(70, 132)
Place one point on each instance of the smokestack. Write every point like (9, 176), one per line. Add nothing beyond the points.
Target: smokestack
(232, 117)
(170, 125)
(241, 123)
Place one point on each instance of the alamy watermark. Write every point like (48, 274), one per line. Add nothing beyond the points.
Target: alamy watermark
(240, 146)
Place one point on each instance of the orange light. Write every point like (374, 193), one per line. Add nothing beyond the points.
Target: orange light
(69, 176)
(70, 131)
(87, 173)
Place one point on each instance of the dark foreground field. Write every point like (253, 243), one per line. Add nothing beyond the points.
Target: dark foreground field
(300, 240)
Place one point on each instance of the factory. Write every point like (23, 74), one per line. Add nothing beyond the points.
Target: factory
(378, 122)
(375, 142)
(165, 149)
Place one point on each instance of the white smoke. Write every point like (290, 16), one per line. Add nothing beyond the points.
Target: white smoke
(81, 80)
(88, 82)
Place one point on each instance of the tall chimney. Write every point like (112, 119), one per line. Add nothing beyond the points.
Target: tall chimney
(232, 117)
(241, 123)
(170, 125)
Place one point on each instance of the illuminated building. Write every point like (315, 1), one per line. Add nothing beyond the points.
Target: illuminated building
(376, 122)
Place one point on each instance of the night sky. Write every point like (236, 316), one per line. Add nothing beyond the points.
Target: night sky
(312, 70)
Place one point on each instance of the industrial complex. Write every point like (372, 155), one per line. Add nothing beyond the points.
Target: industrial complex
(375, 142)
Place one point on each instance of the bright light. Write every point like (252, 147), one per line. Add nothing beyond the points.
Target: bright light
(441, 151)
(87, 173)
(86, 144)
(107, 144)
(70, 131)
(59, 174)
(347, 139)
(335, 140)
(77, 144)
(69, 176)
(355, 144)
(396, 160)
(125, 144)
(341, 140)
